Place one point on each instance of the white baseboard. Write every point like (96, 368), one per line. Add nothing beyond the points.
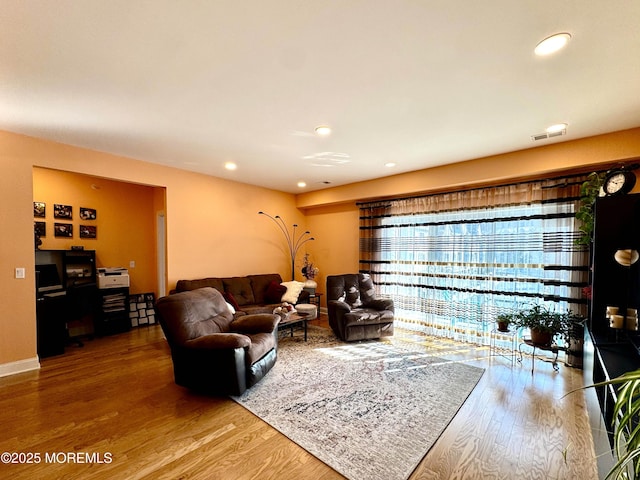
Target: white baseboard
(19, 367)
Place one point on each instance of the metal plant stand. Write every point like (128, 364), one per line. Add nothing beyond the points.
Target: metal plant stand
(553, 348)
(512, 339)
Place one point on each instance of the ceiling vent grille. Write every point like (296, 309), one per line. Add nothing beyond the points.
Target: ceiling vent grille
(545, 135)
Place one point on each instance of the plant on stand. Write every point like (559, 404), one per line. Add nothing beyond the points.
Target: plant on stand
(543, 324)
(504, 320)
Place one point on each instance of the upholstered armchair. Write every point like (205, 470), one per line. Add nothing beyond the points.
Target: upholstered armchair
(355, 311)
(211, 351)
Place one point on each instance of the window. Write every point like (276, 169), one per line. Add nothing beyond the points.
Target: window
(453, 262)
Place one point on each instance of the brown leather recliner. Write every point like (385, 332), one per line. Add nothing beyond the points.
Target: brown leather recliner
(211, 351)
(355, 311)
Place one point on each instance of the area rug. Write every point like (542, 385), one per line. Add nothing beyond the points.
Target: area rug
(370, 410)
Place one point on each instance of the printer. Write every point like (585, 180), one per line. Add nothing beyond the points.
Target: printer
(113, 277)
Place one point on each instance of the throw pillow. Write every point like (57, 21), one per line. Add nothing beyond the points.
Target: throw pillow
(274, 292)
(353, 296)
(367, 290)
(231, 309)
(293, 291)
(228, 296)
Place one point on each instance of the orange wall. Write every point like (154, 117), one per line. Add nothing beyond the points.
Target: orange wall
(213, 228)
(335, 249)
(17, 305)
(125, 221)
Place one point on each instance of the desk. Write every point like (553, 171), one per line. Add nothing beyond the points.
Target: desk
(51, 313)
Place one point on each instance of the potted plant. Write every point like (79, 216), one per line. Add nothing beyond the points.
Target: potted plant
(504, 320)
(544, 324)
(626, 434)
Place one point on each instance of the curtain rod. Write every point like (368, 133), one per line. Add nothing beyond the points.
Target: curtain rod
(609, 166)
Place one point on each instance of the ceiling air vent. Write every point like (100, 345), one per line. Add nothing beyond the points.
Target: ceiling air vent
(545, 135)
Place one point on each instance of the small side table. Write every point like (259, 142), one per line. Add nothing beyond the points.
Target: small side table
(315, 299)
(511, 337)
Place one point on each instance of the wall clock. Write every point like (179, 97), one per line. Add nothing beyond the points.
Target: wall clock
(619, 182)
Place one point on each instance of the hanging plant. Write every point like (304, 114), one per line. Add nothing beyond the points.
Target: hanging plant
(589, 191)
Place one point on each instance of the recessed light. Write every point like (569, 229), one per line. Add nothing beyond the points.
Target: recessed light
(302, 184)
(230, 166)
(390, 164)
(558, 127)
(552, 44)
(323, 130)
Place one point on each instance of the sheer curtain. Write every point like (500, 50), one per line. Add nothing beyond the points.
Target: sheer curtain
(452, 262)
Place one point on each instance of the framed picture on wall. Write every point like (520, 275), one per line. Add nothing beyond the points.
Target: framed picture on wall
(63, 230)
(62, 211)
(88, 231)
(88, 214)
(40, 229)
(39, 209)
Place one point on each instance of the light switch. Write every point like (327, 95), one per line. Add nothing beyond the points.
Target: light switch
(20, 272)
(132, 264)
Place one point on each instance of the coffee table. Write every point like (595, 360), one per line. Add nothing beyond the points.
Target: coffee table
(294, 320)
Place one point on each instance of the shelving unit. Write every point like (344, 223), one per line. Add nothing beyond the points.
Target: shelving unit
(79, 268)
(113, 314)
(608, 352)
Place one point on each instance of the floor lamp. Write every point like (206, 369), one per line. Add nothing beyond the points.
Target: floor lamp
(293, 243)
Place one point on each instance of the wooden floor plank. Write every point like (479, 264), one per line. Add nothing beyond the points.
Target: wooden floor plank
(115, 396)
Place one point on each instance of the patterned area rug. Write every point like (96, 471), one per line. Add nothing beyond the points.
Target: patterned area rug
(370, 410)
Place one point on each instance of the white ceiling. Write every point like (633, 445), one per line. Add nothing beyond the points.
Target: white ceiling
(193, 84)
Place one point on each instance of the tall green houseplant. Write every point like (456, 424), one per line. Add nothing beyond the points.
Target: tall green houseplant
(589, 191)
(626, 433)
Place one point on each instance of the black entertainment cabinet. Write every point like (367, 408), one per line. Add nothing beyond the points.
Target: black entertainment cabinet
(609, 352)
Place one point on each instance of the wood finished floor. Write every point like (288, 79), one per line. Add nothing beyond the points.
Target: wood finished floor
(115, 399)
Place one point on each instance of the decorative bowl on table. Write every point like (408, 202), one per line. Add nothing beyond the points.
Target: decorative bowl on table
(284, 311)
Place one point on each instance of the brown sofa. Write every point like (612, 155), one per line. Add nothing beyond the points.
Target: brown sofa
(248, 295)
(212, 351)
